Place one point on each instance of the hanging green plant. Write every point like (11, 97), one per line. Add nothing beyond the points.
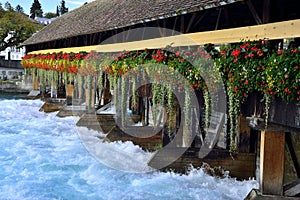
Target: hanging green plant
(89, 83)
(171, 107)
(267, 108)
(187, 114)
(233, 118)
(207, 102)
(155, 93)
(123, 100)
(100, 82)
(80, 85)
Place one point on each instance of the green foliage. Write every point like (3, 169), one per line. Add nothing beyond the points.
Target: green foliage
(15, 28)
(50, 15)
(8, 6)
(62, 9)
(19, 9)
(36, 10)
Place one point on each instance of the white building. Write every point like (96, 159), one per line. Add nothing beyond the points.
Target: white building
(12, 53)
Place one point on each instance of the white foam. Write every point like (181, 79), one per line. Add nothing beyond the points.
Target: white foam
(42, 157)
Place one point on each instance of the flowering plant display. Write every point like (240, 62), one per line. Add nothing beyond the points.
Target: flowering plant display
(244, 67)
(255, 66)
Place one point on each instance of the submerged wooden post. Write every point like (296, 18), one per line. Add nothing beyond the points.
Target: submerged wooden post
(272, 162)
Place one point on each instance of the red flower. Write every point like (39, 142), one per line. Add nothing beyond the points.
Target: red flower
(236, 53)
(254, 49)
(286, 76)
(223, 52)
(260, 53)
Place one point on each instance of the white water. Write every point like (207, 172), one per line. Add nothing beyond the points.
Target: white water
(42, 157)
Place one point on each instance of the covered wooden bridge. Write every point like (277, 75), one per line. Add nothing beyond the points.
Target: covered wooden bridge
(259, 132)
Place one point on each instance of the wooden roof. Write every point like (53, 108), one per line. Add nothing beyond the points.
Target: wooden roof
(104, 15)
(271, 31)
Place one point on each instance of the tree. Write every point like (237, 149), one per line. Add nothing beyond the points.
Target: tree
(50, 15)
(8, 6)
(36, 10)
(62, 8)
(19, 9)
(15, 29)
(57, 10)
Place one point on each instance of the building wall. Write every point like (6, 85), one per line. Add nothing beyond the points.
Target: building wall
(13, 53)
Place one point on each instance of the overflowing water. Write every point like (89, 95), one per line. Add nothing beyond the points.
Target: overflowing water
(42, 157)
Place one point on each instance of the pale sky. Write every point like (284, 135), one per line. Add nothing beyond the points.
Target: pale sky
(47, 5)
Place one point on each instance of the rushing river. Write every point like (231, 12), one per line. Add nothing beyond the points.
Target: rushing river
(42, 157)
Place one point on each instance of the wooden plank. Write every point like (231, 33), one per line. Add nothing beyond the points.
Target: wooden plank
(241, 167)
(272, 162)
(278, 30)
(244, 135)
(293, 154)
(292, 189)
(259, 124)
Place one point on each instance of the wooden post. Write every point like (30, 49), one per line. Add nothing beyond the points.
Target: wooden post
(69, 93)
(53, 89)
(35, 82)
(244, 135)
(90, 98)
(272, 162)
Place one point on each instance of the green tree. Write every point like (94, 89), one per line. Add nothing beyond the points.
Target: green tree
(50, 15)
(8, 6)
(62, 8)
(36, 10)
(57, 11)
(19, 9)
(15, 29)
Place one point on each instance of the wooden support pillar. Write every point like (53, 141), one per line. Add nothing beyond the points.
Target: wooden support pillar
(90, 98)
(53, 89)
(69, 93)
(272, 162)
(35, 82)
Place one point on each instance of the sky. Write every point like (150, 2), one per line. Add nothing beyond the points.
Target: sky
(47, 5)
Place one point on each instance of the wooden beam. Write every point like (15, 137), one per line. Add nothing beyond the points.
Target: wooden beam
(292, 189)
(272, 31)
(293, 154)
(272, 162)
(182, 25)
(218, 19)
(254, 13)
(259, 124)
(266, 11)
(192, 21)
